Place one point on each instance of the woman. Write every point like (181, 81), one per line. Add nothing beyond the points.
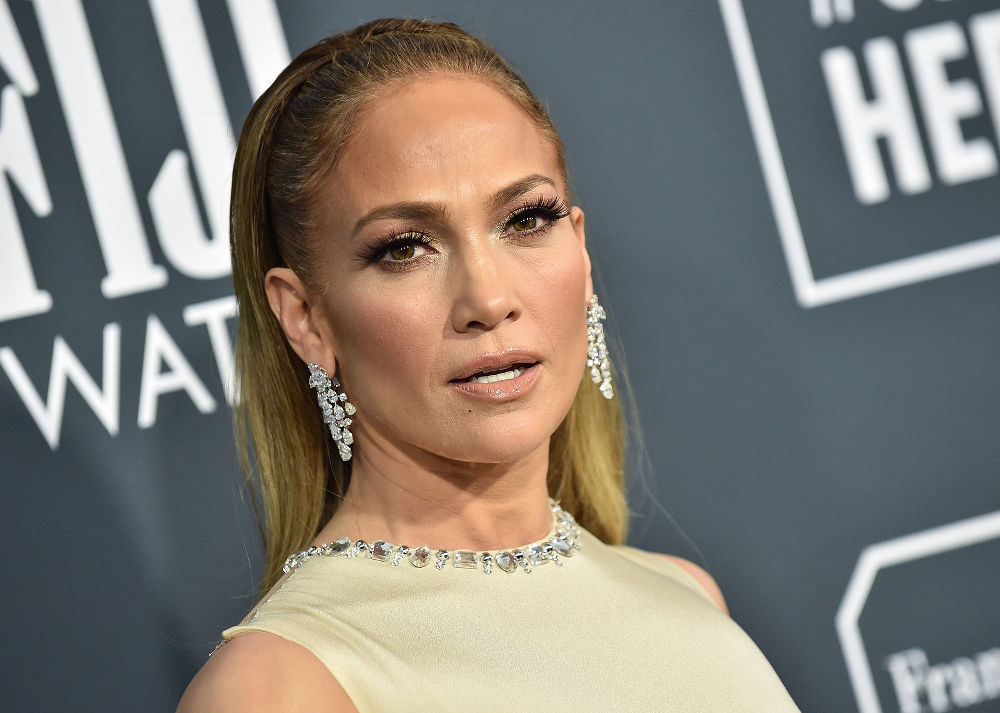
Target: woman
(403, 241)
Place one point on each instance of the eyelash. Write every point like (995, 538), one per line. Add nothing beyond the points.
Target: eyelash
(550, 210)
(376, 253)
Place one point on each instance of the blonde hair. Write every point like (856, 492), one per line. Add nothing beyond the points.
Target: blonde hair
(292, 139)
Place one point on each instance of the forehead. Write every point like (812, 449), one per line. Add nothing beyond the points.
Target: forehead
(439, 139)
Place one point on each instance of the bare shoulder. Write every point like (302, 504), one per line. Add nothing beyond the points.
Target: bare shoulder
(703, 578)
(257, 672)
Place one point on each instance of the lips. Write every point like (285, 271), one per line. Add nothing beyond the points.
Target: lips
(492, 378)
(485, 368)
(509, 385)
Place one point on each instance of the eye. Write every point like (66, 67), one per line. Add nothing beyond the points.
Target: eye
(398, 251)
(536, 217)
(525, 223)
(405, 251)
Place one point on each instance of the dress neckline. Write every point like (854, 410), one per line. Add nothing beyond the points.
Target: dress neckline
(561, 541)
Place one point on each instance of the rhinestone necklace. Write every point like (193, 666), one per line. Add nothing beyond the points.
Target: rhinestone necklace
(563, 543)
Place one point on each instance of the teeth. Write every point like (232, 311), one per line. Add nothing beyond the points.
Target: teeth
(492, 378)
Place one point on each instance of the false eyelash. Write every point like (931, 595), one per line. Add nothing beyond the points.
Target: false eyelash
(552, 209)
(377, 251)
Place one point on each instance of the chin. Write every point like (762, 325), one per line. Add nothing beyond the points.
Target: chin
(507, 443)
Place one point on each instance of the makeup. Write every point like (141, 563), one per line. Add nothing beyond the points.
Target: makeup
(502, 391)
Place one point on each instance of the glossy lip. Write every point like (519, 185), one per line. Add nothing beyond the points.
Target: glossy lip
(496, 362)
(502, 390)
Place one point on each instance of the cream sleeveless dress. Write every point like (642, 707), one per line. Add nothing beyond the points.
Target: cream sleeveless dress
(612, 629)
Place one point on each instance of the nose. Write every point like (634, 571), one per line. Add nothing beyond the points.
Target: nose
(485, 296)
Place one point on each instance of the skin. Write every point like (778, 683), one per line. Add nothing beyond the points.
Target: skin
(433, 465)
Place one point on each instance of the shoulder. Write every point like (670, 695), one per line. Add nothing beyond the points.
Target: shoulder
(257, 672)
(703, 578)
(678, 569)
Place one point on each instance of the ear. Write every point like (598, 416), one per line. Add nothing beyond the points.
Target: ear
(577, 219)
(299, 320)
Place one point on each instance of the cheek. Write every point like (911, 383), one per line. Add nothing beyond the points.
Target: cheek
(559, 298)
(390, 340)
(385, 339)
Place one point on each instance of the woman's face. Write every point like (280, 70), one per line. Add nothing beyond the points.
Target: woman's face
(447, 253)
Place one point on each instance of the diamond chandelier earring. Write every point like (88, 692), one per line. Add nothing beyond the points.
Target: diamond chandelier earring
(597, 349)
(337, 410)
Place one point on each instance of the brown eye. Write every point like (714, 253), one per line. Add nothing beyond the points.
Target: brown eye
(523, 225)
(402, 252)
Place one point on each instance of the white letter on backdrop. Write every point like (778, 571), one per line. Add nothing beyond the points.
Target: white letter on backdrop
(66, 367)
(19, 293)
(862, 122)
(908, 670)
(946, 102)
(985, 31)
(98, 150)
(213, 314)
(160, 347)
(901, 5)
(206, 126)
(13, 57)
(261, 41)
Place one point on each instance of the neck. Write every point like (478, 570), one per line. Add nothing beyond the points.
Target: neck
(445, 505)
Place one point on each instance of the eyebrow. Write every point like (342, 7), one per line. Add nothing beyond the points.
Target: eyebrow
(519, 187)
(400, 211)
(427, 210)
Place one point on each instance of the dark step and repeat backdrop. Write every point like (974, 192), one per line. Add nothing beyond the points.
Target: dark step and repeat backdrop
(793, 210)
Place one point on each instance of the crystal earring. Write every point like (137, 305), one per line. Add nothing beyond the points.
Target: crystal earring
(597, 349)
(337, 410)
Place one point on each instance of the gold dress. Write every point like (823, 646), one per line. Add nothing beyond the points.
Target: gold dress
(612, 629)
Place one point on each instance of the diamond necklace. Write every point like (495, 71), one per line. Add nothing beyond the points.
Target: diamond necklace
(563, 543)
